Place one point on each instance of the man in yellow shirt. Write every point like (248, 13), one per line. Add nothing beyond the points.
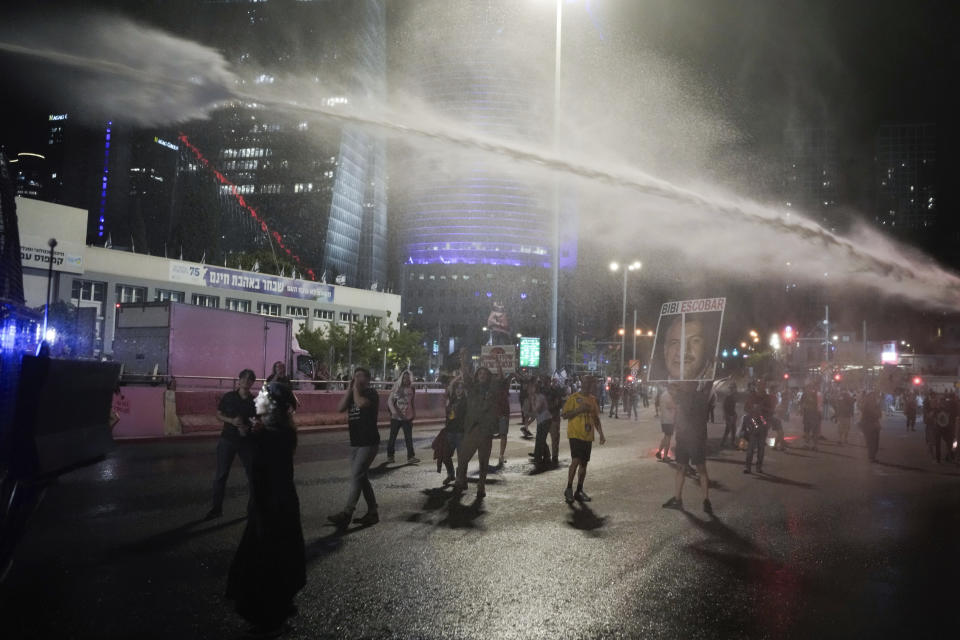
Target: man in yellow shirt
(583, 416)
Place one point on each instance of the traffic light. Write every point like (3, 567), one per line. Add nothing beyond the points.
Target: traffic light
(788, 334)
(917, 381)
(837, 377)
(786, 376)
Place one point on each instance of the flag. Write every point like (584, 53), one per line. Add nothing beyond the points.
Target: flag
(109, 243)
(283, 273)
(323, 278)
(256, 267)
(203, 258)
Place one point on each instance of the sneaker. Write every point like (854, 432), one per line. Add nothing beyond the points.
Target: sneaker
(448, 480)
(667, 459)
(659, 455)
(673, 503)
(369, 518)
(568, 495)
(390, 459)
(413, 460)
(526, 432)
(532, 454)
(580, 496)
(707, 507)
(213, 514)
(747, 470)
(341, 520)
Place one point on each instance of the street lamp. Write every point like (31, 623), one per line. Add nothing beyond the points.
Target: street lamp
(633, 266)
(389, 349)
(555, 263)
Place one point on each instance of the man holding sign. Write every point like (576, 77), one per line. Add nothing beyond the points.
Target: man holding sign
(684, 357)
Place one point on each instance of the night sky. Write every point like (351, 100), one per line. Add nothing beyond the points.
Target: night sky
(769, 65)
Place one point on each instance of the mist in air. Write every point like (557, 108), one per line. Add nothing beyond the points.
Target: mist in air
(642, 147)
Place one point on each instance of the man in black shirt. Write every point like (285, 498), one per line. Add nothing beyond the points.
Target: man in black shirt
(237, 411)
(362, 405)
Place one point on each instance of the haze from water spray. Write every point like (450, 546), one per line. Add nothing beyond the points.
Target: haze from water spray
(151, 78)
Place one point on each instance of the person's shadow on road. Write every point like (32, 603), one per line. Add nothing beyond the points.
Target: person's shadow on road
(583, 518)
(769, 477)
(384, 468)
(178, 535)
(728, 547)
(461, 516)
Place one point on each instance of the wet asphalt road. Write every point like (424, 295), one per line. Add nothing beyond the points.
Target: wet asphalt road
(824, 545)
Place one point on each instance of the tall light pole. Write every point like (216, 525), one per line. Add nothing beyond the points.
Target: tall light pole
(52, 243)
(555, 263)
(634, 266)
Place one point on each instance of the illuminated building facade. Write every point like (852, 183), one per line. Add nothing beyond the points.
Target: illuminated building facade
(906, 177)
(468, 233)
(320, 185)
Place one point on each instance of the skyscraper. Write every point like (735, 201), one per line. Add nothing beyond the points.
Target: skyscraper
(812, 175)
(469, 232)
(906, 177)
(318, 184)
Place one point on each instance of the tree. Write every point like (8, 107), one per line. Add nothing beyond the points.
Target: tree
(406, 347)
(362, 340)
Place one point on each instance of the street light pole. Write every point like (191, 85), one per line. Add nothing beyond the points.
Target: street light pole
(634, 334)
(555, 263)
(634, 266)
(623, 323)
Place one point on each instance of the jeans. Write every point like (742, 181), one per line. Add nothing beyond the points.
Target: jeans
(395, 426)
(227, 448)
(541, 453)
(360, 461)
(453, 441)
(730, 428)
(758, 443)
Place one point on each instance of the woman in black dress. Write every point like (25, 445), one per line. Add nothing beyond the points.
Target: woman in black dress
(269, 567)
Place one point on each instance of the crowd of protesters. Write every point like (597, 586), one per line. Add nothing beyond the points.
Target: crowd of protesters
(269, 567)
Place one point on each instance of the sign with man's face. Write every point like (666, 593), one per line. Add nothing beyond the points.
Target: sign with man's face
(688, 336)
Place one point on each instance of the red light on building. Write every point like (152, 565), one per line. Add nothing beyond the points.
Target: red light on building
(836, 377)
(786, 376)
(917, 380)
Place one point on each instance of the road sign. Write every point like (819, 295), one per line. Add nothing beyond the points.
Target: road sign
(529, 352)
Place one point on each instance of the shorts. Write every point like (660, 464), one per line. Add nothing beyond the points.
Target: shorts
(580, 449)
(503, 424)
(690, 448)
(667, 429)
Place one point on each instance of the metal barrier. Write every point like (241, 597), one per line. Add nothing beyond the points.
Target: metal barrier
(228, 382)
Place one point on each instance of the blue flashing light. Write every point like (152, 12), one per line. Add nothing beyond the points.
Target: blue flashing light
(489, 294)
(523, 296)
